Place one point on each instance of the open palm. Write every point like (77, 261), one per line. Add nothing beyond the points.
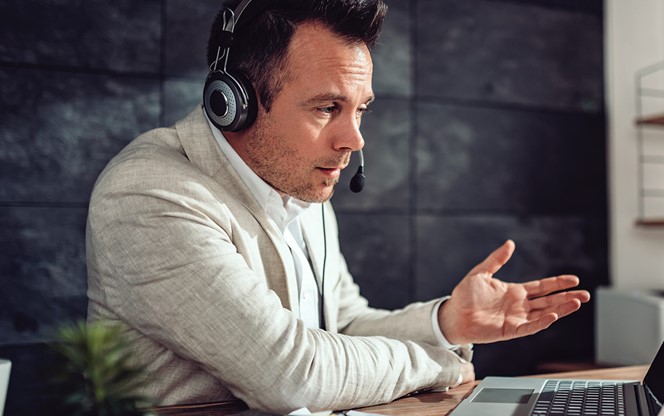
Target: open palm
(484, 309)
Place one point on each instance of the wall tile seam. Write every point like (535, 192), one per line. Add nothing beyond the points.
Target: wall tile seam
(349, 212)
(505, 215)
(413, 269)
(506, 105)
(41, 343)
(371, 212)
(162, 62)
(44, 204)
(79, 70)
(578, 8)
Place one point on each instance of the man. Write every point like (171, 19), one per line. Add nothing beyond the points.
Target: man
(219, 252)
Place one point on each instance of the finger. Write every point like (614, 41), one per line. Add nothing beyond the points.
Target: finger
(534, 326)
(556, 299)
(495, 260)
(568, 308)
(548, 285)
(561, 310)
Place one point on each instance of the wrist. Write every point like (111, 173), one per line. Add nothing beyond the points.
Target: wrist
(435, 326)
(447, 325)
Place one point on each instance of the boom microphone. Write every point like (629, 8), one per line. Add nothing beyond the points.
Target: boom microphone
(357, 181)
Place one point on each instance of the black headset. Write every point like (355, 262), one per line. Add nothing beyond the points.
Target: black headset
(228, 97)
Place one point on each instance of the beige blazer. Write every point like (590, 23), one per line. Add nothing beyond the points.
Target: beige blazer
(181, 253)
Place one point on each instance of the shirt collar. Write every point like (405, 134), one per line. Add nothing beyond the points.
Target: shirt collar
(282, 209)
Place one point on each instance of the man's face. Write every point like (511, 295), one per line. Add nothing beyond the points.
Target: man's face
(302, 144)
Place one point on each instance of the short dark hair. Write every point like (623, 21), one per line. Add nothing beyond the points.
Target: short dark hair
(260, 44)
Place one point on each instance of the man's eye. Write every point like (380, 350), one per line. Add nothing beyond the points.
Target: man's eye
(327, 110)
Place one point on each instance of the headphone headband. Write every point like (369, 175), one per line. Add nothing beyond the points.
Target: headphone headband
(239, 10)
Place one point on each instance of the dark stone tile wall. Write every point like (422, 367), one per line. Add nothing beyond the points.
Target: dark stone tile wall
(383, 269)
(488, 125)
(122, 35)
(516, 53)
(467, 157)
(59, 129)
(43, 270)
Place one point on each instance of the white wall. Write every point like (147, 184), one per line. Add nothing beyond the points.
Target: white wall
(634, 40)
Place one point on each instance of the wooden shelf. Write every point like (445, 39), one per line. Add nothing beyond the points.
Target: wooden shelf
(655, 120)
(653, 222)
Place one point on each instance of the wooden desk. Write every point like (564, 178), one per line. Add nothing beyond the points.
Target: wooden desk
(423, 404)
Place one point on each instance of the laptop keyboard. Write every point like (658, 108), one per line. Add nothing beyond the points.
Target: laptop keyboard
(580, 398)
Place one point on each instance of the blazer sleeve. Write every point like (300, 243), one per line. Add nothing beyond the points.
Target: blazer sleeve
(357, 318)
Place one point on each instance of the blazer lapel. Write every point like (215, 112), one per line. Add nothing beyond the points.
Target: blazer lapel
(202, 149)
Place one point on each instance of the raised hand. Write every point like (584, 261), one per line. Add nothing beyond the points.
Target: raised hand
(483, 309)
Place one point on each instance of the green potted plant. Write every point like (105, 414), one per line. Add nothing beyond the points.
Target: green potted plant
(93, 375)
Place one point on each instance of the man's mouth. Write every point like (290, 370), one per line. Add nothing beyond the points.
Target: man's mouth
(331, 172)
(334, 167)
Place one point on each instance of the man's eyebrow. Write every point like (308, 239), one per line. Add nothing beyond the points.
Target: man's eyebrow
(328, 97)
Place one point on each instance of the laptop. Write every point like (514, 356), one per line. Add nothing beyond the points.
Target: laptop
(520, 396)
(5, 367)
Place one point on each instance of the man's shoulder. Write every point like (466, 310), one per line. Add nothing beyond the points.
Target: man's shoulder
(156, 160)
(155, 150)
(159, 148)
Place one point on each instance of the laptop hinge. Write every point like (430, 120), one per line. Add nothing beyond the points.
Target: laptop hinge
(654, 406)
(639, 391)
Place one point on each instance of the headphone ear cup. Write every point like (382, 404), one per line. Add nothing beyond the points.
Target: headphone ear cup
(229, 101)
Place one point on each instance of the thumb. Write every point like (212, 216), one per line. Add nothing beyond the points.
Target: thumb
(495, 260)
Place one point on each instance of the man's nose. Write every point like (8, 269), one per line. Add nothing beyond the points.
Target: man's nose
(349, 136)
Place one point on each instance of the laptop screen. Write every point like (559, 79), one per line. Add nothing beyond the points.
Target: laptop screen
(654, 379)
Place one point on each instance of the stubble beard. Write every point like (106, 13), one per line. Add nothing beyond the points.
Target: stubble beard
(278, 165)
